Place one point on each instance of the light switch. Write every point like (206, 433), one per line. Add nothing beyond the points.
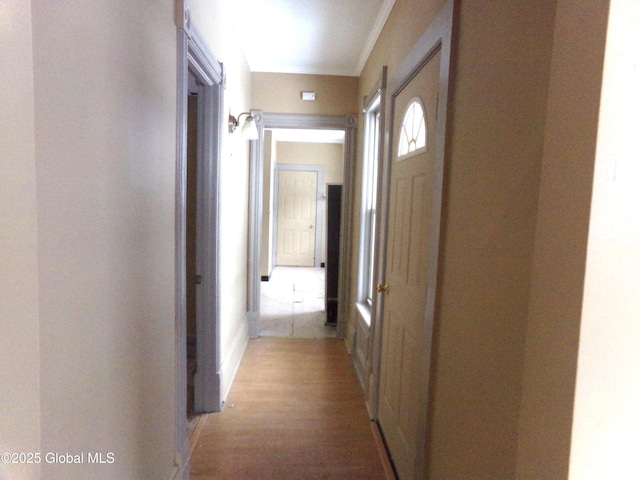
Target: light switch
(311, 96)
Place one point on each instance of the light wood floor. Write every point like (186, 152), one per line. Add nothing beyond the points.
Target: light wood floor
(295, 411)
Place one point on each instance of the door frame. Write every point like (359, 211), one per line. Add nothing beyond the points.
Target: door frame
(193, 56)
(437, 37)
(346, 123)
(320, 206)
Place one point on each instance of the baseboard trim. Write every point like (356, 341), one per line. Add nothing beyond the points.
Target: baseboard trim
(193, 440)
(231, 362)
(253, 323)
(382, 451)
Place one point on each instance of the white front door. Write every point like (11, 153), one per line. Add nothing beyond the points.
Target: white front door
(296, 230)
(405, 336)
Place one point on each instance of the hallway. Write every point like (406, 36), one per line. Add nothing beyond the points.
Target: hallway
(295, 411)
(292, 304)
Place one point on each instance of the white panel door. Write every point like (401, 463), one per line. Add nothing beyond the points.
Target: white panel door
(296, 230)
(405, 342)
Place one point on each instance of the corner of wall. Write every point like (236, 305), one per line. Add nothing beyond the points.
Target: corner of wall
(558, 273)
(231, 362)
(20, 396)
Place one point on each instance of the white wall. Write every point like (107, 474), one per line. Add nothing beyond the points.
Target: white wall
(19, 340)
(210, 19)
(87, 247)
(104, 173)
(105, 103)
(606, 422)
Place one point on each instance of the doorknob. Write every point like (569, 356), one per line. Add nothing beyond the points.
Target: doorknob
(383, 288)
(312, 226)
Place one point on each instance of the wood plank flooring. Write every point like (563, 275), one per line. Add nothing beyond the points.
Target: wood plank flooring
(295, 411)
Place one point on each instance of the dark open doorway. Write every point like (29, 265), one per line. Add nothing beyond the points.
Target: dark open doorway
(199, 133)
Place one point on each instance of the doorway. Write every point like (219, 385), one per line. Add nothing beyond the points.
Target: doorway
(201, 246)
(191, 265)
(297, 172)
(413, 197)
(199, 132)
(262, 174)
(405, 340)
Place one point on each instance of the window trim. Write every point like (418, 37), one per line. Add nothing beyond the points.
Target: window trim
(373, 116)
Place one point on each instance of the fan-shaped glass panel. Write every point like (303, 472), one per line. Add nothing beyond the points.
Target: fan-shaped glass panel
(413, 133)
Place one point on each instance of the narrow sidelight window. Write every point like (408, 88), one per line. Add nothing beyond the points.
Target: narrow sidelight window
(372, 126)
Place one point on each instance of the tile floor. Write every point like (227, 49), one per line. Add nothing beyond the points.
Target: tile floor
(292, 304)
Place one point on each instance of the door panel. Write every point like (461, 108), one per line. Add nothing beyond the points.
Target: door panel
(404, 337)
(297, 198)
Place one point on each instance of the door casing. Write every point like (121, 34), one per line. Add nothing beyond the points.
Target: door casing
(437, 36)
(194, 58)
(347, 123)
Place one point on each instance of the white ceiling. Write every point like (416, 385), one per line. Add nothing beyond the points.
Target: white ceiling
(326, 37)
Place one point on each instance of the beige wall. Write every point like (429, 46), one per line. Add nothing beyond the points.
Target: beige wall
(561, 238)
(495, 141)
(19, 341)
(497, 118)
(280, 93)
(329, 155)
(406, 23)
(513, 313)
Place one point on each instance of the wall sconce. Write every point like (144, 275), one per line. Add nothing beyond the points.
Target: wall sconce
(249, 130)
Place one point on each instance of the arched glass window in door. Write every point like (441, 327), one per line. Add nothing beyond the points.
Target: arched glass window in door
(413, 133)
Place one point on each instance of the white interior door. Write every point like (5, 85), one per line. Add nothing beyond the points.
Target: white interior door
(405, 337)
(296, 231)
